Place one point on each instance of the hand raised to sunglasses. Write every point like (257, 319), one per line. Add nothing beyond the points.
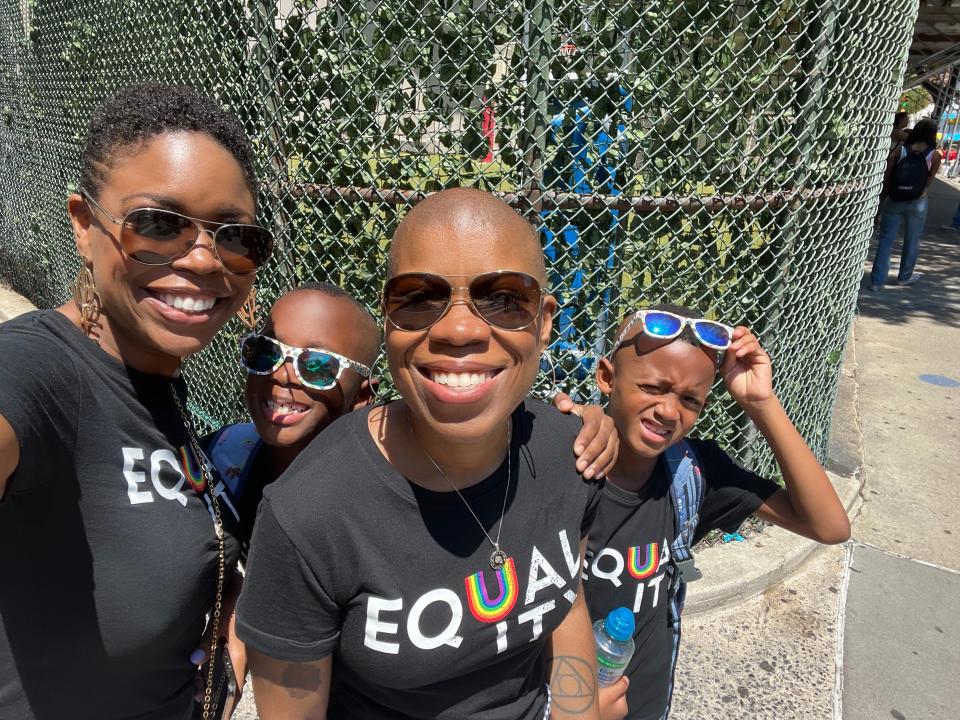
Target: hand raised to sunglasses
(597, 444)
(747, 371)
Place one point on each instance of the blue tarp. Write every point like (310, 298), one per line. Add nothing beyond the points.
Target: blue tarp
(590, 170)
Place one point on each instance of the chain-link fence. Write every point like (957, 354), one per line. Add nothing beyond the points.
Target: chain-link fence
(719, 153)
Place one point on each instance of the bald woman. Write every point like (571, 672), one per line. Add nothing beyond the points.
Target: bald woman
(421, 558)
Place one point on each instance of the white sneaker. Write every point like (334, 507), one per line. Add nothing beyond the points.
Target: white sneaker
(910, 280)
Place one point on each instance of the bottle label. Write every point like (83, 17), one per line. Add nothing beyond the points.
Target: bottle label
(608, 671)
(604, 662)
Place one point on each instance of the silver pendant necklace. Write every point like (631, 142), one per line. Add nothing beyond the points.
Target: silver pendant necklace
(498, 558)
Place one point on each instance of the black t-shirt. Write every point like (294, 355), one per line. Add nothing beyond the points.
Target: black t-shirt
(629, 551)
(350, 558)
(109, 560)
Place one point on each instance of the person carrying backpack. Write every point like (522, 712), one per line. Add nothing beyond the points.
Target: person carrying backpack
(666, 491)
(910, 169)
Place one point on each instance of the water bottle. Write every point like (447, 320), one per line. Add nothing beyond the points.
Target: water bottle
(614, 638)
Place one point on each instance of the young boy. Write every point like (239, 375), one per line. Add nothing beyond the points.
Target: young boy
(332, 343)
(310, 364)
(658, 377)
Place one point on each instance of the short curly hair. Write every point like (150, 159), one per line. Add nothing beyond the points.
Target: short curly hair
(138, 113)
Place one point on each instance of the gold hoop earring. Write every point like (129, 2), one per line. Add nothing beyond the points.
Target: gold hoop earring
(248, 311)
(87, 300)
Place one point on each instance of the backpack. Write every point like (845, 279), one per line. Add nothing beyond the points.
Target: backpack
(232, 450)
(686, 495)
(910, 176)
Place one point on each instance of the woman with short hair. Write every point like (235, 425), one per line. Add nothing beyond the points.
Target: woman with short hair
(115, 548)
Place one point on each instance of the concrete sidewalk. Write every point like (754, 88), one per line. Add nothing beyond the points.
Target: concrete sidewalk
(900, 656)
(870, 631)
(901, 642)
(12, 304)
(908, 343)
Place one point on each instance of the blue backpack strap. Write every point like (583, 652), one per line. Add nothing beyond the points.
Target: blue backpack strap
(686, 495)
(232, 451)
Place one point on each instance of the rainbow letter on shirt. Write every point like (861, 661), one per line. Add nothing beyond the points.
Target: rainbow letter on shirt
(192, 469)
(493, 610)
(650, 564)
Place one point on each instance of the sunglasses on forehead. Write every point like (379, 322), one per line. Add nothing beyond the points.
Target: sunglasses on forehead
(505, 299)
(315, 367)
(152, 236)
(667, 325)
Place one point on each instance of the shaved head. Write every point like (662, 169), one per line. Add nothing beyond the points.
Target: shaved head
(362, 343)
(460, 234)
(455, 217)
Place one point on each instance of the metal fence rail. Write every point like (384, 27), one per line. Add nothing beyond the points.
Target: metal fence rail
(718, 153)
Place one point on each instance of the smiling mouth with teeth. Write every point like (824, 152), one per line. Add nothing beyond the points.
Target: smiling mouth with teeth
(284, 408)
(187, 303)
(459, 381)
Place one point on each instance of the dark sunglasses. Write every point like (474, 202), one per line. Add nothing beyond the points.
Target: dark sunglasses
(152, 236)
(505, 299)
(667, 325)
(315, 368)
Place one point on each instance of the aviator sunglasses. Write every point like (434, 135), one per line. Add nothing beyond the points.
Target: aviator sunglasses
(667, 325)
(315, 368)
(151, 236)
(505, 299)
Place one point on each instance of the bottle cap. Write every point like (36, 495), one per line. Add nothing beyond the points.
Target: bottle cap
(619, 624)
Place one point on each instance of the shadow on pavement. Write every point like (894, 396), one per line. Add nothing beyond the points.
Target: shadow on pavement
(937, 294)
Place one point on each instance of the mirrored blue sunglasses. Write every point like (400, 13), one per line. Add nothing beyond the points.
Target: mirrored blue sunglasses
(667, 325)
(315, 367)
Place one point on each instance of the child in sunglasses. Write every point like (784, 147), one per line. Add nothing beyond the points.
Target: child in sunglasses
(658, 378)
(332, 342)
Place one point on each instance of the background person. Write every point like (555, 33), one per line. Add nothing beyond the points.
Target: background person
(898, 134)
(112, 558)
(910, 170)
(900, 131)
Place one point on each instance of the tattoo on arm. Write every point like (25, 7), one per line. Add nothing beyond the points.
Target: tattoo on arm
(572, 685)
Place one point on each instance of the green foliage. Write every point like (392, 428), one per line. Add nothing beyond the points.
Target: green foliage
(915, 100)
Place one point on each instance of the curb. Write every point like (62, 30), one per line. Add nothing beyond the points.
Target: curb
(737, 571)
(12, 304)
